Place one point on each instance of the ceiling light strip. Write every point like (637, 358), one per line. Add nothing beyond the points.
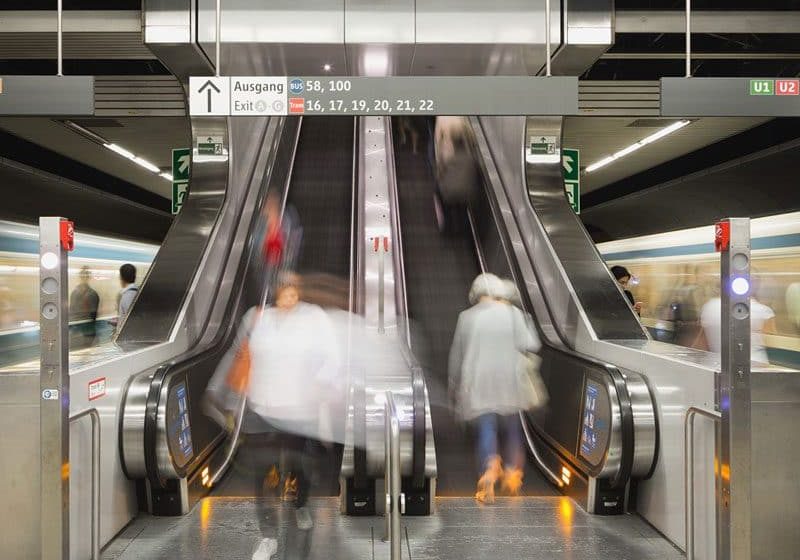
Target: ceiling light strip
(640, 144)
(137, 160)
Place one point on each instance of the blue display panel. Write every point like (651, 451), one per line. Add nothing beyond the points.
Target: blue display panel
(596, 423)
(178, 425)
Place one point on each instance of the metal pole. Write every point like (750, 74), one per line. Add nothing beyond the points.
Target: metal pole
(60, 40)
(688, 450)
(734, 524)
(688, 38)
(395, 500)
(381, 283)
(218, 61)
(54, 388)
(547, 52)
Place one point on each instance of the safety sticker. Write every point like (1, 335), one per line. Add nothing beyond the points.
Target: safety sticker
(97, 388)
(50, 394)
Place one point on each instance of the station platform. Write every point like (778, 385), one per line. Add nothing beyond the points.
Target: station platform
(551, 528)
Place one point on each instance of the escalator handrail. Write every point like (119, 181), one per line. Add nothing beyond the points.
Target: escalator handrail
(419, 433)
(199, 355)
(626, 413)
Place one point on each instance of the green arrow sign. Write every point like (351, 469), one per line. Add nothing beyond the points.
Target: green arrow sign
(571, 168)
(181, 164)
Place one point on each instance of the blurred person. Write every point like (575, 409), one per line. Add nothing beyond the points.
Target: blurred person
(83, 305)
(456, 172)
(408, 130)
(8, 312)
(126, 297)
(623, 277)
(487, 385)
(280, 235)
(762, 321)
(793, 304)
(294, 360)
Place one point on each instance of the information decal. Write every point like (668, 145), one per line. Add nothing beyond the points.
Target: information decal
(393, 95)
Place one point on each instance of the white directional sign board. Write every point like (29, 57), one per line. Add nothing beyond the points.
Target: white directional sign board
(209, 96)
(392, 95)
(258, 96)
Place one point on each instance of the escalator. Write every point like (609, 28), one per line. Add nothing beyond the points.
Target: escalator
(439, 272)
(312, 161)
(320, 192)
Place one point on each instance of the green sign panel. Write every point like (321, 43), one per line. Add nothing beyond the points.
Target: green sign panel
(762, 87)
(181, 164)
(210, 146)
(543, 145)
(571, 167)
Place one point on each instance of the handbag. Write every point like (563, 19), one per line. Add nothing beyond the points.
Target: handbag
(238, 378)
(529, 380)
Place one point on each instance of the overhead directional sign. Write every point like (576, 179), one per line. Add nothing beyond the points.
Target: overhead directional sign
(392, 95)
(209, 96)
(571, 167)
(730, 97)
(181, 164)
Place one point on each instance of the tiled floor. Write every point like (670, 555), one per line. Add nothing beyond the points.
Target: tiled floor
(518, 529)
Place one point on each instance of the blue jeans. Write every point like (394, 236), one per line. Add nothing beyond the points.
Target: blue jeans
(491, 429)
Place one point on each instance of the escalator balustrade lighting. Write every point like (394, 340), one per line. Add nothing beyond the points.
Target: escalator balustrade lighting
(205, 478)
(666, 131)
(565, 475)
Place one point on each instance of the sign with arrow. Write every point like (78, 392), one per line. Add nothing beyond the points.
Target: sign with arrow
(571, 168)
(181, 164)
(209, 96)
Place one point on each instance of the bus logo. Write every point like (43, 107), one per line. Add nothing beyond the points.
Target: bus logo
(296, 86)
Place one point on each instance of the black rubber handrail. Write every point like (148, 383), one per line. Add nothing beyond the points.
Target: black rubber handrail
(192, 357)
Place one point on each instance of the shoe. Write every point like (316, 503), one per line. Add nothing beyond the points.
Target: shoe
(273, 478)
(266, 548)
(487, 481)
(289, 489)
(512, 482)
(303, 516)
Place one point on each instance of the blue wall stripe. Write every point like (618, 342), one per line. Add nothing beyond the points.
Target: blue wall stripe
(31, 247)
(759, 243)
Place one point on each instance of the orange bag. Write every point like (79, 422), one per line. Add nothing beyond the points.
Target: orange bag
(238, 379)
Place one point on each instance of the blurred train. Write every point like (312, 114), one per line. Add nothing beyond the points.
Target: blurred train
(675, 273)
(101, 257)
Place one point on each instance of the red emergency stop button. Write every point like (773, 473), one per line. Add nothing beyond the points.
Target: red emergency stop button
(67, 231)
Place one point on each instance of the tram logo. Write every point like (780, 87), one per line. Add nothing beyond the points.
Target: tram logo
(297, 105)
(296, 86)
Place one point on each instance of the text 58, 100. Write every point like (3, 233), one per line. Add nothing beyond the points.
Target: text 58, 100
(370, 106)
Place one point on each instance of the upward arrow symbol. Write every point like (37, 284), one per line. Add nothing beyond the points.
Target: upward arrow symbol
(183, 163)
(207, 87)
(567, 162)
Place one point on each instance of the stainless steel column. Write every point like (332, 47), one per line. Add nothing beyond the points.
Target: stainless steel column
(733, 442)
(54, 386)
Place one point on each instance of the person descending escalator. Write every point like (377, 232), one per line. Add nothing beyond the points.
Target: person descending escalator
(493, 376)
(456, 173)
(279, 237)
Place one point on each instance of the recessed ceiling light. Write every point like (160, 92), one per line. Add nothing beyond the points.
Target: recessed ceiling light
(327, 67)
(635, 146)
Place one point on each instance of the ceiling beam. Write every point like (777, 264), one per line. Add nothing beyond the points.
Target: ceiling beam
(652, 21)
(42, 21)
(699, 56)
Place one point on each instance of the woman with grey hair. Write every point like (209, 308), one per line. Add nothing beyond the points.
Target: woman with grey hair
(485, 381)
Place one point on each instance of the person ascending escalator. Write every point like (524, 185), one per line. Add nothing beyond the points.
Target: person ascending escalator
(493, 376)
(279, 236)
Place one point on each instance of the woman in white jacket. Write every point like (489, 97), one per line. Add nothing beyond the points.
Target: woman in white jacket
(485, 381)
(295, 363)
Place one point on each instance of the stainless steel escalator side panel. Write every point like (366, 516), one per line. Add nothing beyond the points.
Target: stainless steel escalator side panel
(504, 139)
(182, 259)
(645, 425)
(608, 312)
